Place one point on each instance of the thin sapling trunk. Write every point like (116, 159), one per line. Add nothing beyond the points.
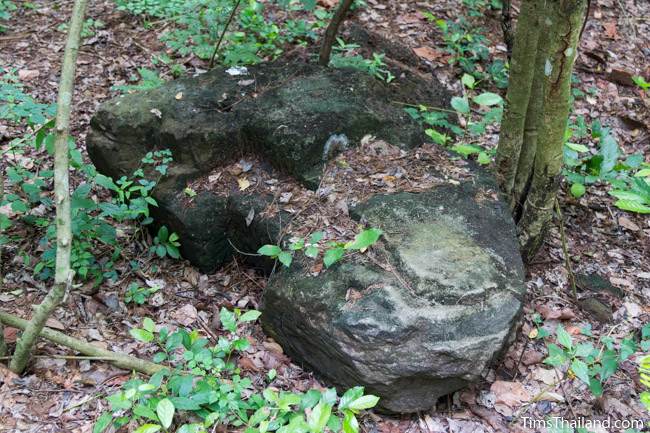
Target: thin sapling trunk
(332, 31)
(63, 272)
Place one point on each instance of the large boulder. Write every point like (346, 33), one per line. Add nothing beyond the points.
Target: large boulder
(423, 321)
(294, 116)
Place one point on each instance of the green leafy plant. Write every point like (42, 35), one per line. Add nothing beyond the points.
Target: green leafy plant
(488, 110)
(644, 373)
(88, 30)
(138, 295)
(590, 364)
(203, 389)
(629, 177)
(641, 82)
(166, 244)
(148, 79)
(468, 48)
(344, 58)
(198, 24)
(6, 8)
(332, 251)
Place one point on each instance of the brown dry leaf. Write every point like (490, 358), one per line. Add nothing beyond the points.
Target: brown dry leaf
(427, 53)
(549, 313)
(186, 315)
(28, 74)
(611, 30)
(328, 3)
(509, 393)
(247, 364)
(54, 324)
(243, 183)
(274, 347)
(531, 357)
(10, 335)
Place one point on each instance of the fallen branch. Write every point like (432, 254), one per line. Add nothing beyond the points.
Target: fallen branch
(118, 359)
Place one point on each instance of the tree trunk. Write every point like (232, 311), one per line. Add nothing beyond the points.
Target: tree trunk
(63, 272)
(520, 86)
(332, 31)
(567, 17)
(529, 157)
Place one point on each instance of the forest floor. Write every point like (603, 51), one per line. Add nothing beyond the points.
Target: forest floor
(65, 395)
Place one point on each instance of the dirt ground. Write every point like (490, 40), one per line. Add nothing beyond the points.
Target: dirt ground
(59, 394)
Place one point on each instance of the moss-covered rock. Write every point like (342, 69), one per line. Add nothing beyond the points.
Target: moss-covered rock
(427, 319)
(295, 116)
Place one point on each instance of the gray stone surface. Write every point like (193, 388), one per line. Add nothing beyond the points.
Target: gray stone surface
(294, 116)
(431, 315)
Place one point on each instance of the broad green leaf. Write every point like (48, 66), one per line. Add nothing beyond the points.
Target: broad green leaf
(310, 399)
(228, 320)
(628, 348)
(318, 417)
(563, 337)
(141, 335)
(581, 370)
(365, 402)
(148, 428)
(165, 410)
(143, 411)
(332, 256)
(461, 105)
(627, 195)
(632, 206)
(467, 149)
(260, 415)
(316, 237)
(610, 152)
(350, 423)
(103, 422)
(596, 387)
(285, 258)
(365, 239)
(468, 81)
(483, 158)
(642, 173)
(577, 147)
(556, 356)
(270, 250)
(437, 137)
(106, 182)
(288, 399)
(578, 190)
(148, 324)
(250, 316)
(311, 252)
(349, 396)
(645, 400)
(19, 206)
(488, 99)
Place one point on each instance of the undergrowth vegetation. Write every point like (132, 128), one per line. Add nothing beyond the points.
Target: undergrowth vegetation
(202, 389)
(103, 210)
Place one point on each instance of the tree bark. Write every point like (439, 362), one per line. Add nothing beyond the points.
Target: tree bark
(118, 359)
(332, 31)
(567, 18)
(518, 96)
(533, 114)
(63, 273)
